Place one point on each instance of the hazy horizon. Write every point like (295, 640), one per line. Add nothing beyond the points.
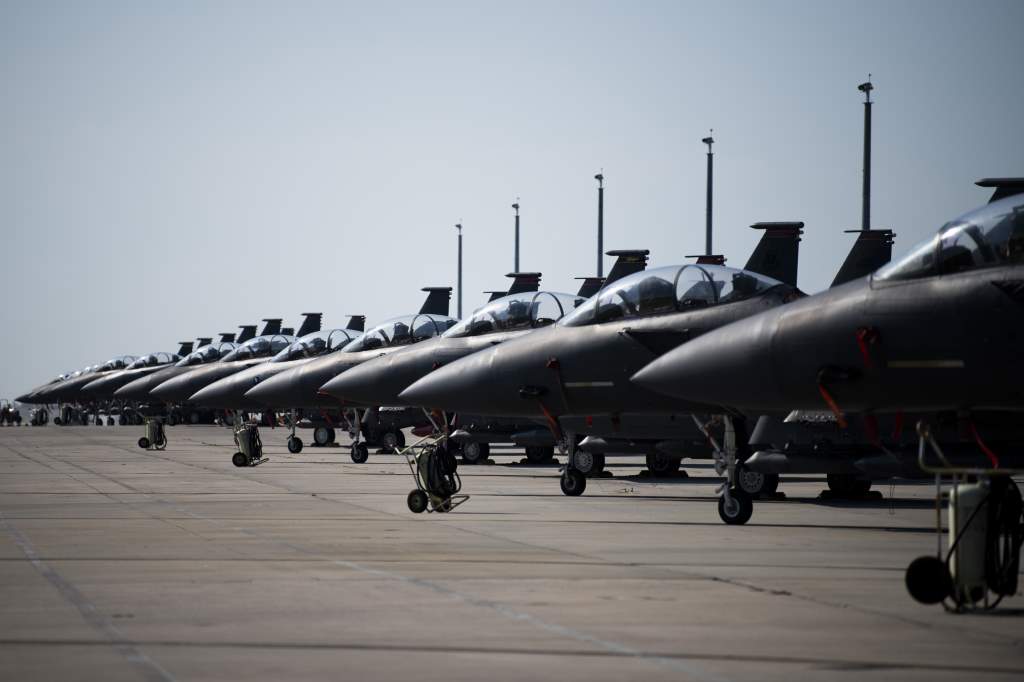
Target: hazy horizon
(176, 170)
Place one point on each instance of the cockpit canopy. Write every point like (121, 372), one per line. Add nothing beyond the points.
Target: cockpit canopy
(260, 347)
(401, 331)
(317, 343)
(670, 289)
(985, 237)
(120, 362)
(527, 310)
(211, 352)
(154, 359)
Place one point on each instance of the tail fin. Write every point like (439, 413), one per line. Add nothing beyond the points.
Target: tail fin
(356, 323)
(523, 282)
(205, 341)
(872, 250)
(713, 259)
(496, 295)
(1005, 187)
(438, 299)
(272, 326)
(225, 337)
(590, 286)
(311, 324)
(288, 331)
(248, 332)
(628, 261)
(184, 348)
(777, 254)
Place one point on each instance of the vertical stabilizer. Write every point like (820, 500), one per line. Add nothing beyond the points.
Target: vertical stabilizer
(589, 286)
(312, 323)
(438, 301)
(248, 332)
(523, 282)
(872, 250)
(356, 323)
(1004, 187)
(777, 254)
(272, 326)
(627, 261)
(184, 348)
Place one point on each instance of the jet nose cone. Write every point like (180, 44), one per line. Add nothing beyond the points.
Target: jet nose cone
(272, 391)
(24, 398)
(380, 380)
(177, 389)
(216, 394)
(730, 367)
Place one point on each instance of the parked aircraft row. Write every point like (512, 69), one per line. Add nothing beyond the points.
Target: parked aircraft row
(696, 360)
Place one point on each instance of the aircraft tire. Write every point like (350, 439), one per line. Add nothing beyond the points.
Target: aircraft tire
(661, 464)
(390, 441)
(475, 453)
(294, 445)
(848, 485)
(538, 454)
(144, 443)
(584, 462)
(322, 436)
(573, 483)
(239, 460)
(739, 512)
(753, 483)
(331, 435)
(360, 453)
(417, 501)
(928, 580)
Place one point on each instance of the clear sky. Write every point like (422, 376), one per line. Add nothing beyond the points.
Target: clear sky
(175, 169)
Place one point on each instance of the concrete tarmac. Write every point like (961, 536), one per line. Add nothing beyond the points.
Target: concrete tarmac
(122, 564)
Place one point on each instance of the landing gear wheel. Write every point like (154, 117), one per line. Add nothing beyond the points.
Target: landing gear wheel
(294, 445)
(322, 436)
(144, 443)
(848, 485)
(660, 464)
(417, 501)
(737, 510)
(360, 453)
(928, 580)
(753, 483)
(392, 441)
(573, 483)
(538, 454)
(583, 462)
(598, 464)
(239, 460)
(330, 435)
(475, 453)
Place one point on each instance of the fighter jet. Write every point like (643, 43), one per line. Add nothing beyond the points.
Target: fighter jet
(299, 387)
(935, 332)
(380, 381)
(207, 351)
(253, 352)
(229, 392)
(579, 369)
(69, 389)
(103, 388)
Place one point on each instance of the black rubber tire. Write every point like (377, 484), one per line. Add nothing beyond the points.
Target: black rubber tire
(849, 485)
(239, 460)
(417, 501)
(401, 438)
(321, 436)
(538, 454)
(584, 462)
(144, 443)
(331, 435)
(771, 484)
(475, 453)
(360, 453)
(294, 445)
(660, 464)
(753, 483)
(391, 441)
(740, 511)
(928, 580)
(573, 483)
(598, 464)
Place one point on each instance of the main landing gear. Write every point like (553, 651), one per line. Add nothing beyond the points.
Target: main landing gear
(294, 442)
(735, 505)
(574, 481)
